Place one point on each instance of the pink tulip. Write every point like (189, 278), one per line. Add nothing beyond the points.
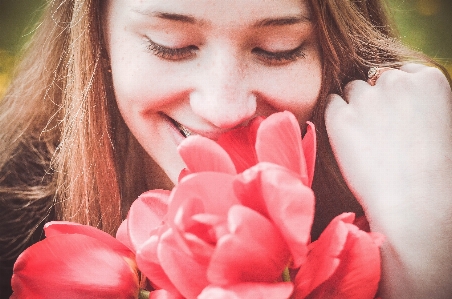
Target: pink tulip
(223, 230)
(280, 195)
(141, 231)
(277, 139)
(75, 261)
(343, 263)
(145, 215)
(183, 247)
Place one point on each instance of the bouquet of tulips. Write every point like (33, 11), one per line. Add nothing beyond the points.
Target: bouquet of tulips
(237, 225)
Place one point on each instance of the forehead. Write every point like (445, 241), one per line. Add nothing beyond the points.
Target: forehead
(221, 12)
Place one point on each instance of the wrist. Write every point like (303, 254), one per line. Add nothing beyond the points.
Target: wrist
(416, 260)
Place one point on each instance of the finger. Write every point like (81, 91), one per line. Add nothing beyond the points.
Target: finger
(336, 107)
(413, 67)
(356, 90)
(372, 81)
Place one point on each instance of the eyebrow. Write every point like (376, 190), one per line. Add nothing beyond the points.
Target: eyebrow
(283, 21)
(268, 22)
(175, 17)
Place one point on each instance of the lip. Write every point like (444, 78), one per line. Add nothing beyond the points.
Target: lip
(186, 131)
(176, 133)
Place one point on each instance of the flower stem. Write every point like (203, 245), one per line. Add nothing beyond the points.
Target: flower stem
(144, 294)
(286, 274)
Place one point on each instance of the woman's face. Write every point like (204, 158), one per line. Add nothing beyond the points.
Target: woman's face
(208, 66)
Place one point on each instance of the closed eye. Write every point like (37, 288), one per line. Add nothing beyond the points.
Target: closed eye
(169, 53)
(280, 57)
(184, 53)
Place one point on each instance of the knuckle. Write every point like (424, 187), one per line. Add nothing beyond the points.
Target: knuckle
(433, 78)
(337, 114)
(438, 75)
(351, 87)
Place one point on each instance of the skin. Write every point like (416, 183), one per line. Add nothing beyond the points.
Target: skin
(393, 142)
(224, 82)
(390, 139)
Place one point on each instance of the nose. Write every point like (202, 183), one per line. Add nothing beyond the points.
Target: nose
(223, 95)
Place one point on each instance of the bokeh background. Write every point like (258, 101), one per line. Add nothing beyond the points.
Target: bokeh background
(425, 25)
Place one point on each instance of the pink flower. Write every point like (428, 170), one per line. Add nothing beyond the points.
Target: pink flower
(277, 139)
(343, 263)
(223, 229)
(75, 261)
(210, 237)
(143, 226)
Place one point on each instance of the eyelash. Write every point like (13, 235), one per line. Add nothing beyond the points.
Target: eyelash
(272, 58)
(282, 57)
(171, 53)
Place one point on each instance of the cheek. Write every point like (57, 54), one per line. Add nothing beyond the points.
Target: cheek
(137, 76)
(296, 89)
(132, 76)
(142, 82)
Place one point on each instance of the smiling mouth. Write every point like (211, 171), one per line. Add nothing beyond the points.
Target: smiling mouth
(183, 130)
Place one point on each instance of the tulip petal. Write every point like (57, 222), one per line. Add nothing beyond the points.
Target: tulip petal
(196, 236)
(346, 259)
(253, 251)
(149, 264)
(309, 144)
(122, 235)
(58, 228)
(198, 230)
(358, 274)
(73, 266)
(280, 290)
(323, 259)
(146, 215)
(183, 173)
(203, 154)
(164, 294)
(287, 201)
(240, 144)
(215, 200)
(186, 272)
(279, 141)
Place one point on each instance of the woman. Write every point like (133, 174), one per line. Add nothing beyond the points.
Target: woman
(107, 89)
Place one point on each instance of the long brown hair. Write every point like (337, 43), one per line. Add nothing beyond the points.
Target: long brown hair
(57, 148)
(63, 137)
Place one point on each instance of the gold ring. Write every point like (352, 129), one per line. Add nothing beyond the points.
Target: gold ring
(375, 73)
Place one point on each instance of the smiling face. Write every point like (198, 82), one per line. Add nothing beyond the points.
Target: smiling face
(204, 67)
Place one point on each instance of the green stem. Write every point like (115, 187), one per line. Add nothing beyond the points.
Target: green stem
(286, 274)
(144, 294)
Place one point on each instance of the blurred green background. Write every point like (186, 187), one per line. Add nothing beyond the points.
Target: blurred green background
(425, 25)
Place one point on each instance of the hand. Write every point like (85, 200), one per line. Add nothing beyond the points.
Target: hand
(393, 138)
(393, 144)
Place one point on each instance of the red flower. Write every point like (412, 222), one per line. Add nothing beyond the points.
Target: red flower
(343, 263)
(141, 231)
(277, 139)
(225, 229)
(210, 237)
(75, 261)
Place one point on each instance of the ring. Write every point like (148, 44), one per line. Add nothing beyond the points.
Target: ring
(375, 73)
